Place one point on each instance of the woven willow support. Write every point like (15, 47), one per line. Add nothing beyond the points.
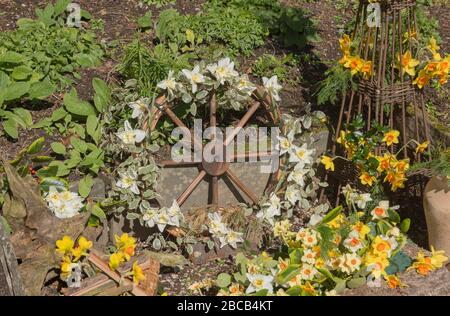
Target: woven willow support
(388, 95)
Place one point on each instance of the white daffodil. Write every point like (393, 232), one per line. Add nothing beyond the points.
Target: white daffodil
(307, 272)
(349, 192)
(349, 263)
(292, 194)
(216, 226)
(285, 143)
(232, 238)
(194, 77)
(259, 282)
(128, 181)
(298, 175)
(63, 204)
(169, 84)
(270, 209)
(244, 85)
(272, 87)
(162, 220)
(139, 108)
(362, 199)
(381, 211)
(223, 70)
(309, 256)
(131, 136)
(301, 154)
(149, 216)
(353, 242)
(175, 214)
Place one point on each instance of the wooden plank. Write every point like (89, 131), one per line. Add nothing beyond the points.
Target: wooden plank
(9, 267)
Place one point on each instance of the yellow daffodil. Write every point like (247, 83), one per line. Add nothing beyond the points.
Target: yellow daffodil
(65, 245)
(367, 179)
(309, 289)
(345, 43)
(422, 80)
(328, 163)
(115, 260)
(83, 246)
(399, 182)
(376, 264)
(391, 137)
(408, 64)
(380, 247)
(137, 273)
(337, 222)
(384, 162)
(367, 69)
(402, 166)
(438, 258)
(444, 65)
(362, 229)
(394, 281)
(66, 268)
(432, 45)
(126, 244)
(422, 264)
(236, 289)
(432, 67)
(355, 64)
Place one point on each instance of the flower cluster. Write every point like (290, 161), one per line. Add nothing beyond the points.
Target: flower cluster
(162, 217)
(361, 149)
(125, 249)
(436, 68)
(424, 264)
(203, 285)
(355, 63)
(64, 204)
(219, 230)
(323, 259)
(71, 255)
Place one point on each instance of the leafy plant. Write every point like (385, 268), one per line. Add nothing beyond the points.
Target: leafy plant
(269, 65)
(158, 3)
(297, 29)
(440, 164)
(337, 82)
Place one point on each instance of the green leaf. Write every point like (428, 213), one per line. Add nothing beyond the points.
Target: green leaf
(145, 22)
(398, 263)
(24, 115)
(97, 211)
(76, 106)
(294, 291)
(11, 57)
(102, 94)
(393, 216)
(11, 128)
(332, 214)
(36, 146)
(85, 186)
(58, 183)
(406, 223)
(61, 6)
(356, 282)
(5, 224)
(21, 73)
(288, 273)
(16, 90)
(223, 280)
(41, 90)
(58, 148)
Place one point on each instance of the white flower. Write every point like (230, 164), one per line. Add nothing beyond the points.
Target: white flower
(285, 143)
(309, 256)
(232, 238)
(128, 181)
(292, 194)
(139, 108)
(131, 136)
(349, 263)
(301, 154)
(381, 211)
(223, 70)
(162, 220)
(271, 209)
(169, 84)
(353, 243)
(63, 204)
(259, 282)
(272, 87)
(149, 216)
(394, 231)
(307, 272)
(175, 214)
(315, 219)
(216, 226)
(194, 77)
(298, 175)
(362, 199)
(245, 86)
(348, 192)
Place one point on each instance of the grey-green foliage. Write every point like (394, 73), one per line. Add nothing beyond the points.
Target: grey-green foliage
(338, 80)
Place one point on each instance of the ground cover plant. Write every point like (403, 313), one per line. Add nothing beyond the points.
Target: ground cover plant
(86, 139)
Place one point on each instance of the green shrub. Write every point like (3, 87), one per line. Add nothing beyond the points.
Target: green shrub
(269, 65)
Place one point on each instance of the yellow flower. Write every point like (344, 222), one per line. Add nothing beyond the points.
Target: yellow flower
(138, 274)
(115, 260)
(327, 162)
(66, 268)
(345, 43)
(380, 247)
(391, 137)
(376, 264)
(393, 281)
(337, 221)
(408, 64)
(309, 288)
(83, 246)
(422, 264)
(367, 69)
(431, 67)
(341, 138)
(65, 245)
(438, 258)
(422, 80)
(384, 162)
(367, 179)
(399, 182)
(355, 64)
(283, 264)
(362, 229)
(126, 244)
(444, 65)
(432, 45)
(402, 165)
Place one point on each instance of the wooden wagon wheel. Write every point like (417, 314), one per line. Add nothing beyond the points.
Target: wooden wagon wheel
(217, 169)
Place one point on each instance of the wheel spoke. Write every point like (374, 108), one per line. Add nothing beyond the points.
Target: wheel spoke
(242, 122)
(213, 111)
(242, 186)
(173, 163)
(183, 197)
(215, 190)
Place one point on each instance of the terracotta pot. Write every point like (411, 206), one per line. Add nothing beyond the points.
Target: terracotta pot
(436, 203)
